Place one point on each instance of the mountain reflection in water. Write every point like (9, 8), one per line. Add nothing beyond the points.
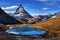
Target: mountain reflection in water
(25, 30)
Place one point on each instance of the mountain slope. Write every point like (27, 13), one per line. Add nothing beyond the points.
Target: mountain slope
(6, 19)
(52, 26)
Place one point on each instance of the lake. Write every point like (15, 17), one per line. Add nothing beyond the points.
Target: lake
(25, 30)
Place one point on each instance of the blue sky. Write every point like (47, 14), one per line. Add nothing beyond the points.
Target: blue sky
(31, 6)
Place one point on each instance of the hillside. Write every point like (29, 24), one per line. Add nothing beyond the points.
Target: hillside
(52, 26)
(50, 23)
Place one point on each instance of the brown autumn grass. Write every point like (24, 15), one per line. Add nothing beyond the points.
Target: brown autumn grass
(52, 25)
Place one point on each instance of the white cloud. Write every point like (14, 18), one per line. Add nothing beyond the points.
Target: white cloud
(45, 8)
(9, 11)
(10, 7)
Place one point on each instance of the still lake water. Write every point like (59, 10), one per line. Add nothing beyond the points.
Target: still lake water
(24, 30)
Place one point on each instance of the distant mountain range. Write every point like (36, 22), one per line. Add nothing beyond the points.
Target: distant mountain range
(22, 16)
(43, 17)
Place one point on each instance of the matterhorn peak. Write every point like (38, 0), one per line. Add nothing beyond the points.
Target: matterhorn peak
(20, 9)
(22, 13)
(20, 6)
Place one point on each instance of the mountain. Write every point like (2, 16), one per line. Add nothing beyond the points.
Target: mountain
(7, 19)
(56, 15)
(43, 17)
(22, 13)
